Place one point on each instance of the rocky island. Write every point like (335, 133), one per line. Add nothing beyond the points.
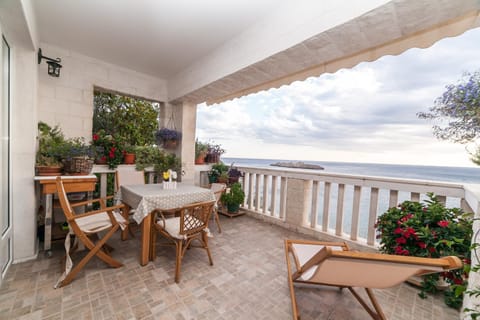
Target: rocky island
(297, 165)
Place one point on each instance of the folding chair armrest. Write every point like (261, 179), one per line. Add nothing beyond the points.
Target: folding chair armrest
(82, 203)
(94, 212)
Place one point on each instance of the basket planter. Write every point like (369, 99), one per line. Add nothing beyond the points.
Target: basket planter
(78, 166)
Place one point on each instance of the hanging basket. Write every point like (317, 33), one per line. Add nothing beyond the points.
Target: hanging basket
(170, 144)
(78, 166)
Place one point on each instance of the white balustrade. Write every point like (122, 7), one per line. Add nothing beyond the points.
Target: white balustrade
(340, 205)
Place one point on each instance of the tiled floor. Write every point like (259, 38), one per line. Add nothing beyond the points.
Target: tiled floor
(248, 281)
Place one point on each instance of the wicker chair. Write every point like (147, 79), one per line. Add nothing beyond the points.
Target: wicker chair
(180, 227)
(218, 189)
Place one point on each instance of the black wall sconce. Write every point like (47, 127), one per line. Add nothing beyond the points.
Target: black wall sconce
(54, 65)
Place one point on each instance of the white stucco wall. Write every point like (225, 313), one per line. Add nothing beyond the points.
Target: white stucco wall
(68, 100)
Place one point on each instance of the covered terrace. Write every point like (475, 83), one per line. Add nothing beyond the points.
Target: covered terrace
(180, 53)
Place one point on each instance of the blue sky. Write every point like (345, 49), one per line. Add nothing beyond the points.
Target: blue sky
(363, 114)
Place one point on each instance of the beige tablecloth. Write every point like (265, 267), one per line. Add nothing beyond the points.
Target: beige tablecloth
(145, 198)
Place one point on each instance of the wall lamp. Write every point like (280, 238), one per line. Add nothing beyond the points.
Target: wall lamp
(54, 65)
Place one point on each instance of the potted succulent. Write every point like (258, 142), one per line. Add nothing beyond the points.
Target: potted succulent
(201, 150)
(168, 138)
(51, 143)
(233, 198)
(429, 230)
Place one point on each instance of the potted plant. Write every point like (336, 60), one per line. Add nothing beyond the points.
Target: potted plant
(217, 170)
(77, 157)
(108, 149)
(201, 150)
(233, 198)
(429, 230)
(51, 143)
(129, 154)
(234, 174)
(168, 138)
(214, 153)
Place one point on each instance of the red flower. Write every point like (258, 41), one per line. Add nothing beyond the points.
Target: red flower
(432, 249)
(398, 231)
(458, 280)
(95, 137)
(443, 223)
(401, 240)
(409, 232)
(422, 245)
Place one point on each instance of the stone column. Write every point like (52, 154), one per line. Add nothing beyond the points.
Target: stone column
(186, 118)
(298, 201)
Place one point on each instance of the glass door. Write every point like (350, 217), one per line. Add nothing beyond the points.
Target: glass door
(5, 181)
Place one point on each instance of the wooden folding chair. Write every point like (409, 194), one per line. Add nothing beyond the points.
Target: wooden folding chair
(182, 227)
(84, 226)
(128, 176)
(332, 264)
(218, 189)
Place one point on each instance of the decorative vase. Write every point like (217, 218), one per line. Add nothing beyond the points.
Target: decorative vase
(129, 158)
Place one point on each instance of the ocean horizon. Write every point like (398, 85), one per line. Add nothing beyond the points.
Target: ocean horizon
(421, 172)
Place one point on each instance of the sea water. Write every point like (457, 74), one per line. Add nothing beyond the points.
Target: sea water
(469, 175)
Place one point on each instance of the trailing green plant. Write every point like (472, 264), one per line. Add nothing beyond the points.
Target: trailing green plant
(429, 229)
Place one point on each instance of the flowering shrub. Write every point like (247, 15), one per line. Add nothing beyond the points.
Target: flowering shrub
(108, 149)
(429, 230)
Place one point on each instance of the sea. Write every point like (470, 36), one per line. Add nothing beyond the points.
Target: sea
(435, 173)
(461, 175)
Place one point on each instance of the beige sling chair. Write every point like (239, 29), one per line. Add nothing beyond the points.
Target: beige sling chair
(218, 189)
(85, 227)
(332, 264)
(184, 225)
(127, 176)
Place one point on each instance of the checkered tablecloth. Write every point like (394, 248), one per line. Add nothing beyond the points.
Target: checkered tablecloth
(145, 198)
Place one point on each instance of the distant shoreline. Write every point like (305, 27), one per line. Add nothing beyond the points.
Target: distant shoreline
(297, 165)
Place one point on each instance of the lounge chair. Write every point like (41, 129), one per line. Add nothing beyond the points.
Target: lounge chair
(333, 264)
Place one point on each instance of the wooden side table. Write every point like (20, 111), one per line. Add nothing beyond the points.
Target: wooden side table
(49, 188)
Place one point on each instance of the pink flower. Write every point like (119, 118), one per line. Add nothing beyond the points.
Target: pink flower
(398, 231)
(401, 240)
(443, 223)
(422, 245)
(409, 232)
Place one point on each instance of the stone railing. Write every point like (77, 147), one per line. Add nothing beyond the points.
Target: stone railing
(339, 205)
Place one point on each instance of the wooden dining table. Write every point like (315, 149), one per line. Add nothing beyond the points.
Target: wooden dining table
(145, 198)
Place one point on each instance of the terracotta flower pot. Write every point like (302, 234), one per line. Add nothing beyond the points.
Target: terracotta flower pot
(129, 158)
